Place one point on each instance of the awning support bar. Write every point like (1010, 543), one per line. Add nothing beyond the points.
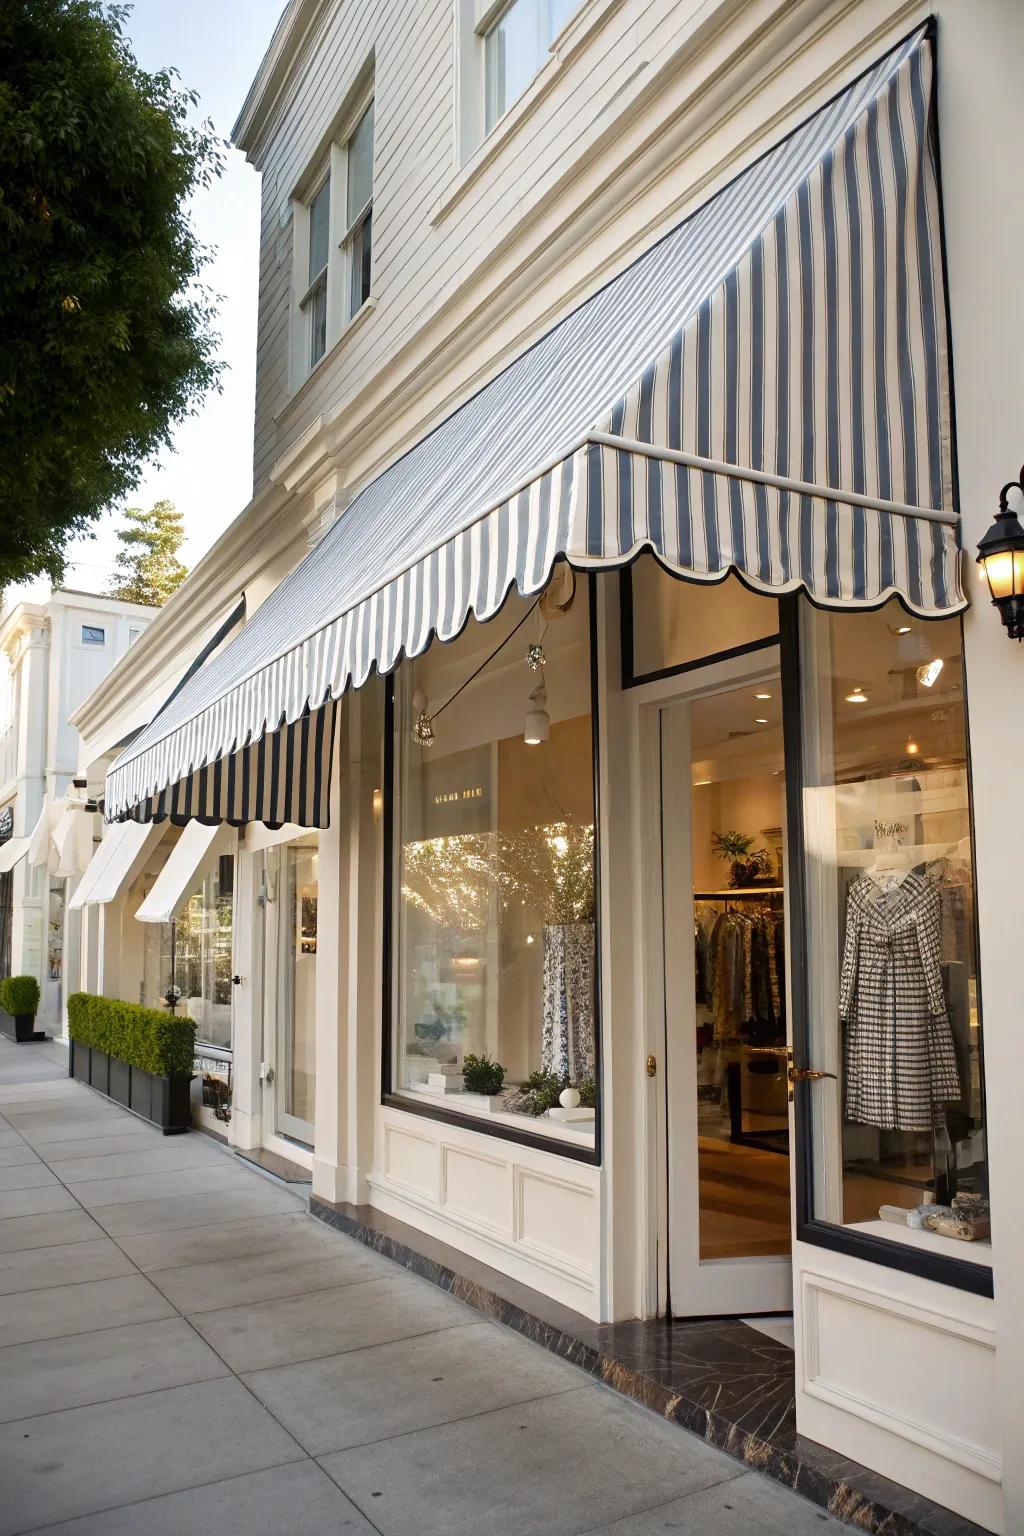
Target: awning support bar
(764, 477)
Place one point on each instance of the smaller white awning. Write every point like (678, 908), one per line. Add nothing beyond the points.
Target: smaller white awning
(41, 849)
(11, 852)
(115, 863)
(195, 852)
(72, 836)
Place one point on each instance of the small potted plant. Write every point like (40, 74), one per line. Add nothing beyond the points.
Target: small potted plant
(19, 999)
(482, 1080)
(747, 865)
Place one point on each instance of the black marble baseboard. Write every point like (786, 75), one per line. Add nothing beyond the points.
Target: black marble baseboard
(720, 1379)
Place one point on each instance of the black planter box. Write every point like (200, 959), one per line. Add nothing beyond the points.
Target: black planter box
(20, 1027)
(165, 1101)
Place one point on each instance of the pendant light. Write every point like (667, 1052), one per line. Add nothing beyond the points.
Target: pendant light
(538, 721)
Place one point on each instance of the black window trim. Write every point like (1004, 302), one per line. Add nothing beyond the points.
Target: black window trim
(633, 679)
(962, 1274)
(391, 1099)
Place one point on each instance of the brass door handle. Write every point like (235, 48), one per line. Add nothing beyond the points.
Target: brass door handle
(806, 1075)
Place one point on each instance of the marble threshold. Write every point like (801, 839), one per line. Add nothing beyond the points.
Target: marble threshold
(722, 1378)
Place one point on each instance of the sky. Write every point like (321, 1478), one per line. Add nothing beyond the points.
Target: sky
(216, 47)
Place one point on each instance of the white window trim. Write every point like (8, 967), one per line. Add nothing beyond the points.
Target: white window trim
(331, 160)
(475, 149)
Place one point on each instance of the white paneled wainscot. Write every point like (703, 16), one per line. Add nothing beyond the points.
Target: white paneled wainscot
(903, 1375)
(533, 1214)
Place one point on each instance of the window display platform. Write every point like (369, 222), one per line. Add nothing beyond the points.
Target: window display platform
(721, 1379)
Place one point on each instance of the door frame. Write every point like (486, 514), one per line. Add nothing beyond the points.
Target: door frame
(646, 702)
(273, 1136)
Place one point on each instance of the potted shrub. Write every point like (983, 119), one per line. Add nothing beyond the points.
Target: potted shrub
(19, 999)
(139, 1057)
(482, 1080)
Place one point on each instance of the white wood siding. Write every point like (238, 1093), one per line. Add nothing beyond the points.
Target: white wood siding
(418, 263)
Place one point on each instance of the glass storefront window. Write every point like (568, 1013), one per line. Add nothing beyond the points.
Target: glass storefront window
(678, 624)
(494, 952)
(899, 1137)
(197, 957)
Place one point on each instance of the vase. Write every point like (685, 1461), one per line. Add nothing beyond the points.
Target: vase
(567, 1043)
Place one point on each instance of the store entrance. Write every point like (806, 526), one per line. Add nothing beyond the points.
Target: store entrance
(289, 989)
(723, 793)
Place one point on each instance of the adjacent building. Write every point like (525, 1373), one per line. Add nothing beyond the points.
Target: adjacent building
(54, 655)
(573, 798)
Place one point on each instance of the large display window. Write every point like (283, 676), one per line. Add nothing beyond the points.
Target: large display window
(493, 914)
(898, 1128)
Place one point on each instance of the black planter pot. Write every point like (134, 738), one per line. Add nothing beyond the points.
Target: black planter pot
(165, 1101)
(20, 1027)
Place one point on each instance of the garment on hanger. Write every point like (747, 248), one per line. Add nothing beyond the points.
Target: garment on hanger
(900, 1062)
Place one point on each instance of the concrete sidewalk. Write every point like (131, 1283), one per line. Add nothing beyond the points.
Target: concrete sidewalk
(184, 1350)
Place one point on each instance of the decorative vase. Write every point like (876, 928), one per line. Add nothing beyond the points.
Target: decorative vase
(567, 1043)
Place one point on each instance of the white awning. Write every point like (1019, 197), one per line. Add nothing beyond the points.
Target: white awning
(11, 852)
(41, 849)
(115, 863)
(191, 857)
(766, 391)
(72, 836)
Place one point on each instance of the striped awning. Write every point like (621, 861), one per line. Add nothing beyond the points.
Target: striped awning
(765, 390)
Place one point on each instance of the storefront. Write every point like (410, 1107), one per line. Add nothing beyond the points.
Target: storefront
(619, 928)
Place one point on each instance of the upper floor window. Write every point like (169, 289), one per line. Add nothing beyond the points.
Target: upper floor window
(133, 635)
(357, 243)
(516, 45)
(334, 235)
(92, 634)
(314, 304)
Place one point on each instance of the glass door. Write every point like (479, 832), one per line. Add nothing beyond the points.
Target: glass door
(289, 989)
(727, 1019)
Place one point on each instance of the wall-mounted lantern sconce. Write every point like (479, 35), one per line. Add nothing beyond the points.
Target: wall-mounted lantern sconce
(1001, 555)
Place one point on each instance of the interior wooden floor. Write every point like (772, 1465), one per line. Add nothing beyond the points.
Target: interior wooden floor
(744, 1201)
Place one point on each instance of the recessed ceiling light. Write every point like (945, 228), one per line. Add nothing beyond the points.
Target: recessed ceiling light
(858, 696)
(762, 695)
(760, 720)
(903, 629)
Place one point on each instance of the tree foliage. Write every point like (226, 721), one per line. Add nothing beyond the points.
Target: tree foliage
(148, 568)
(106, 337)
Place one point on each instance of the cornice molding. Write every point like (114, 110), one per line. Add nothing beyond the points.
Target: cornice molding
(299, 19)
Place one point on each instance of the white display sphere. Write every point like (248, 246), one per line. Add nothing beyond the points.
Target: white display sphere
(569, 1098)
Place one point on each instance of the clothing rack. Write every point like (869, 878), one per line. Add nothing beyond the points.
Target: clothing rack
(743, 893)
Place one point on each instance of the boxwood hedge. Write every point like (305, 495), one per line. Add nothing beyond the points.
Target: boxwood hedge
(19, 994)
(158, 1042)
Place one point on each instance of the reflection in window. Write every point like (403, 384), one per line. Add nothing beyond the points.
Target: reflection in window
(516, 47)
(894, 1002)
(676, 623)
(495, 878)
(296, 1019)
(196, 957)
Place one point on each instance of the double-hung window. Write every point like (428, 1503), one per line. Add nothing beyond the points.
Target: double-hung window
(314, 303)
(516, 45)
(357, 242)
(334, 265)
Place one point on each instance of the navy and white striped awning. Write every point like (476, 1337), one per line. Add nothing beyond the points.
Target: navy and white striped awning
(765, 390)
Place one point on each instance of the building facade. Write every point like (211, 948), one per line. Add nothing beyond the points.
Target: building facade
(55, 654)
(633, 390)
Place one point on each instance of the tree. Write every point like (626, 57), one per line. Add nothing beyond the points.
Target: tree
(148, 568)
(106, 337)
